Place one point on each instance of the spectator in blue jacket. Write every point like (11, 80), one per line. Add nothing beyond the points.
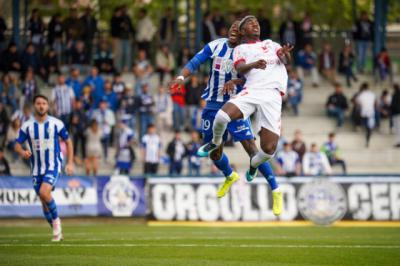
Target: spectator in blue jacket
(74, 82)
(294, 91)
(307, 62)
(96, 82)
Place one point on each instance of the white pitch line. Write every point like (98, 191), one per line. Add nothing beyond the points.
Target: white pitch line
(207, 246)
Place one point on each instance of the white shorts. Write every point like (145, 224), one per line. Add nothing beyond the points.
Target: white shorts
(266, 104)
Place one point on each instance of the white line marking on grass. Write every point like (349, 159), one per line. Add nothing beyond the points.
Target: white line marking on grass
(207, 246)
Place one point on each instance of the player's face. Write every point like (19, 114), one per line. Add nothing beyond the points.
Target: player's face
(233, 34)
(251, 28)
(41, 107)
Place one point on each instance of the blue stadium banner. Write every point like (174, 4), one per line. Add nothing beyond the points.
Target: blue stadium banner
(121, 196)
(75, 196)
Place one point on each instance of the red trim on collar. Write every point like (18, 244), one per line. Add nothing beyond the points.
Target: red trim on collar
(238, 61)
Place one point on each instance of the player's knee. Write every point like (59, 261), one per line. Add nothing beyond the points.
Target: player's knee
(44, 196)
(269, 148)
(222, 118)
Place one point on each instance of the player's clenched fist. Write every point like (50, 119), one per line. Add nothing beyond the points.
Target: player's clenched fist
(260, 64)
(69, 168)
(26, 154)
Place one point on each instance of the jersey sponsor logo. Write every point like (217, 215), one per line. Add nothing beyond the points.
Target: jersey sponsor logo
(42, 144)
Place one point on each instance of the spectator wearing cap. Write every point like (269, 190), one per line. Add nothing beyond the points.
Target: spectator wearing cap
(151, 150)
(336, 105)
(176, 151)
(4, 165)
(125, 155)
(105, 118)
(96, 82)
(79, 123)
(332, 151)
(288, 161)
(11, 59)
(316, 163)
(146, 104)
(194, 161)
(62, 99)
(165, 62)
(75, 83)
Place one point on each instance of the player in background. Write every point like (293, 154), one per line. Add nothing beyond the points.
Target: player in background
(263, 65)
(223, 83)
(43, 133)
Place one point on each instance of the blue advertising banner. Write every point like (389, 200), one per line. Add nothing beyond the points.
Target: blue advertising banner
(121, 196)
(75, 196)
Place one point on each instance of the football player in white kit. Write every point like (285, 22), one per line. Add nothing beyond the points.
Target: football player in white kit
(262, 63)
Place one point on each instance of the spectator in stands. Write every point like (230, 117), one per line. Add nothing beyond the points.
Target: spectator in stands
(395, 112)
(36, 28)
(142, 70)
(209, 30)
(62, 99)
(316, 163)
(145, 31)
(103, 58)
(383, 64)
(327, 64)
(178, 113)
(4, 123)
(96, 82)
(336, 105)
(125, 155)
(4, 165)
(384, 107)
(332, 152)
(129, 105)
(110, 95)
(165, 63)
(29, 87)
(192, 99)
(163, 104)
(151, 150)
(288, 161)
(307, 62)
(298, 145)
(146, 104)
(167, 27)
(294, 91)
(176, 151)
(12, 135)
(78, 58)
(9, 92)
(23, 115)
(93, 136)
(3, 28)
(75, 83)
(289, 31)
(368, 104)
(346, 60)
(89, 30)
(55, 35)
(265, 25)
(362, 34)
(87, 99)
(11, 59)
(218, 21)
(118, 86)
(50, 65)
(73, 28)
(184, 56)
(194, 161)
(31, 59)
(121, 31)
(79, 123)
(105, 118)
(305, 30)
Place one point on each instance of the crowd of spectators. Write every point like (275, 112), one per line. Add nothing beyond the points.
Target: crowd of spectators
(102, 87)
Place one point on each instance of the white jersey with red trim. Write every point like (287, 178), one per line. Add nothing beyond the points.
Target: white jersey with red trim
(274, 76)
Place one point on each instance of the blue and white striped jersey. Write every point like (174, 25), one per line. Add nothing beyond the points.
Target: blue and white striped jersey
(44, 143)
(221, 69)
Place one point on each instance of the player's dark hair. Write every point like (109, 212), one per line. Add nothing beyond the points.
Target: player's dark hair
(37, 96)
(150, 126)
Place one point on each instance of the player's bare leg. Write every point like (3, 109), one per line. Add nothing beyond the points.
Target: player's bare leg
(46, 213)
(46, 197)
(225, 115)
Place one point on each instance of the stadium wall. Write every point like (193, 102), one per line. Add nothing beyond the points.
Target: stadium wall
(322, 200)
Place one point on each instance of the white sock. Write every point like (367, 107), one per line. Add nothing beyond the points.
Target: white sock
(259, 158)
(220, 123)
(278, 189)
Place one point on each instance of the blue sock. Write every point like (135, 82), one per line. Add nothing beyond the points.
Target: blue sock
(53, 209)
(47, 215)
(223, 165)
(268, 173)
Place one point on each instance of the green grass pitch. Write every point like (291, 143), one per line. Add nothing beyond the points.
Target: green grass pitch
(137, 244)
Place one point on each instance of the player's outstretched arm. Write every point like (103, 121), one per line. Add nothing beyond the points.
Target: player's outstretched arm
(242, 68)
(69, 168)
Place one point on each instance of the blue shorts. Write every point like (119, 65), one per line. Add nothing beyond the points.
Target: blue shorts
(239, 129)
(47, 178)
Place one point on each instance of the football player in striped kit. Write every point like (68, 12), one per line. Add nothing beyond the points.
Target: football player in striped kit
(43, 133)
(224, 83)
